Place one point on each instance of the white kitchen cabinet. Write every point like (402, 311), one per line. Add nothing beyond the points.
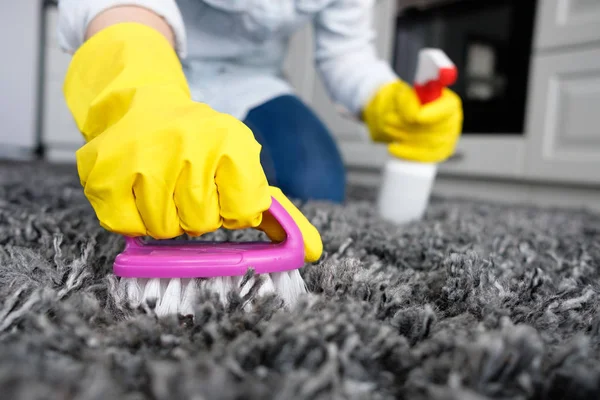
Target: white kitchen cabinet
(567, 22)
(19, 77)
(563, 141)
(60, 136)
(298, 67)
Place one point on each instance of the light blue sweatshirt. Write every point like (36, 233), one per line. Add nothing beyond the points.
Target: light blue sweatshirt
(233, 50)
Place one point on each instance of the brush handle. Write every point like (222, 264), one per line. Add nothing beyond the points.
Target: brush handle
(206, 259)
(293, 242)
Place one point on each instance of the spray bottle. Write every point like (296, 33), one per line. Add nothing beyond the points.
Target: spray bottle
(406, 185)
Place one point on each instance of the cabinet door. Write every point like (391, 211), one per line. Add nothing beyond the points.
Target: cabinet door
(563, 139)
(567, 22)
(298, 66)
(19, 76)
(60, 134)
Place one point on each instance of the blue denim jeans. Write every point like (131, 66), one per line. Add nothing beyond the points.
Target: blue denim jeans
(299, 154)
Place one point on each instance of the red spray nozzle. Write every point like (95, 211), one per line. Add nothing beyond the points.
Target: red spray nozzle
(435, 71)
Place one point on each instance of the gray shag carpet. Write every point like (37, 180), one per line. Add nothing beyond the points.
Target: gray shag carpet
(477, 301)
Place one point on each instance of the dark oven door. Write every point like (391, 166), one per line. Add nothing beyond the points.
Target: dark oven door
(489, 41)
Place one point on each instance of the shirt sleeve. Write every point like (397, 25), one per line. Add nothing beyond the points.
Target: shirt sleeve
(345, 54)
(75, 15)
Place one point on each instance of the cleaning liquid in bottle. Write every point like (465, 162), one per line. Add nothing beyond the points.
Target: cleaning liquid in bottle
(406, 185)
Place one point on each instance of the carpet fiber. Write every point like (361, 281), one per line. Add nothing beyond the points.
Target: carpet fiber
(478, 301)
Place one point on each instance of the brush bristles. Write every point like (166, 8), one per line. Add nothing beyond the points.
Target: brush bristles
(178, 296)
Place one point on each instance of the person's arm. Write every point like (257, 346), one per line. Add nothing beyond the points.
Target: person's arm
(345, 54)
(137, 14)
(81, 19)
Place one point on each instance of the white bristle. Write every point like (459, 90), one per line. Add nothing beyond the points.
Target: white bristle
(267, 286)
(152, 290)
(133, 290)
(189, 297)
(171, 298)
(177, 296)
(221, 286)
(289, 285)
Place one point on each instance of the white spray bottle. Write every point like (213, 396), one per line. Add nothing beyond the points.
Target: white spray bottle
(406, 185)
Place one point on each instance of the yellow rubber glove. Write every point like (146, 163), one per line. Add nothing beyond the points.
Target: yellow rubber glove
(313, 246)
(424, 133)
(157, 163)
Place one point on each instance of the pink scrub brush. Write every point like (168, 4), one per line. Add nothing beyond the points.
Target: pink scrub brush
(173, 272)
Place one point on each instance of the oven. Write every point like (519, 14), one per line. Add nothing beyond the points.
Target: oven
(490, 41)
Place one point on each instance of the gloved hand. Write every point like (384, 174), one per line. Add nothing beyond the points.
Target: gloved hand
(157, 163)
(313, 246)
(425, 133)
